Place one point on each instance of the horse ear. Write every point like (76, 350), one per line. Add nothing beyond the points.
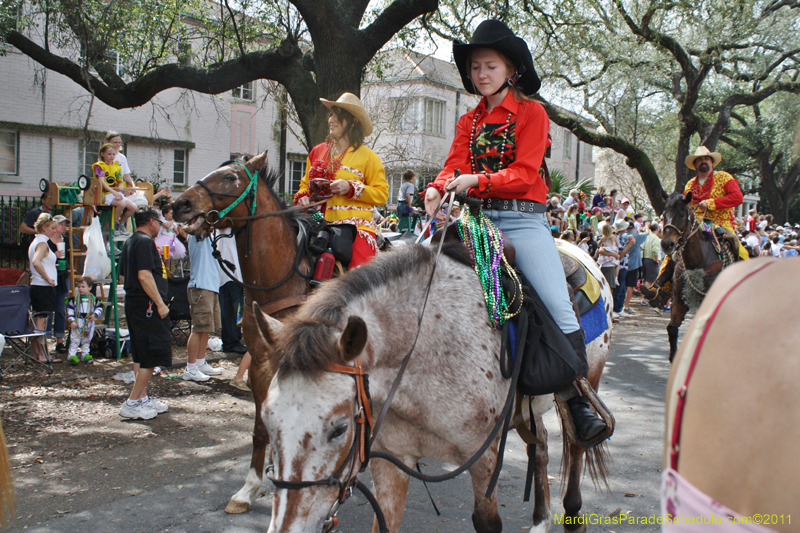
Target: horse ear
(353, 339)
(688, 198)
(268, 327)
(257, 163)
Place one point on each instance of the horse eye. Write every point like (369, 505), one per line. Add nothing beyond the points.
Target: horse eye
(338, 432)
(230, 177)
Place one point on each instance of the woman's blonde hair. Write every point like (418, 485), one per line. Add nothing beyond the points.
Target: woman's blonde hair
(608, 233)
(43, 222)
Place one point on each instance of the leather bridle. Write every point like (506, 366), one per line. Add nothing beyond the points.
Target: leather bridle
(689, 231)
(359, 452)
(214, 217)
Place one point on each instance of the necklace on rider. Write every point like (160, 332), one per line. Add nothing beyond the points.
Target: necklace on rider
(484, 241)
(702, 191)
(505, 128)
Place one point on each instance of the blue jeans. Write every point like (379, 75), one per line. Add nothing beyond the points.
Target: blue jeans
(619, 292)
(537, 258)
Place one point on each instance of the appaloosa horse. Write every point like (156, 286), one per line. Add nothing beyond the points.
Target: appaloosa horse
(696, 260)
(449, 399)
(268, 255)
(732, 423)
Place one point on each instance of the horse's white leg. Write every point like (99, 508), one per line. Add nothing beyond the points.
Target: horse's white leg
(573, 520)
(391, 489)
(260, 378)
(541, 487)
(485, 517)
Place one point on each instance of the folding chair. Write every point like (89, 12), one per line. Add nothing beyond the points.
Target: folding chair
(179, 314)
(16, 324)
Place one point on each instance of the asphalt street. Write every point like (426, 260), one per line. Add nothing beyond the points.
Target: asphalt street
(633, 387)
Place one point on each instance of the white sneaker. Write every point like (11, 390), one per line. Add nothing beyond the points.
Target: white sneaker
(160, 407)
(209, 370)
(629, 311)
(143, 410)
(614, 314)
(623, 314)
(194, 375)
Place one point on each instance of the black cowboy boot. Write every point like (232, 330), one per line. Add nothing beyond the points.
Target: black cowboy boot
(587, 423)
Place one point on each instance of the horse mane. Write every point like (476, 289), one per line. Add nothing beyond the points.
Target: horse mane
(305, 345)
(269, 177)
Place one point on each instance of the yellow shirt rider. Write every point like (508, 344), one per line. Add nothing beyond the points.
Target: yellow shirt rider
(714, 196)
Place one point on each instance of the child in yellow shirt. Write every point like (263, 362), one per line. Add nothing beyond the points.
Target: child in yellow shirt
(109, 172)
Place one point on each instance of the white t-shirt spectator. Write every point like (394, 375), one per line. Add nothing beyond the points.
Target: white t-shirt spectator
(752, 241)
(776, 249)
(123, 162)
(228, 250)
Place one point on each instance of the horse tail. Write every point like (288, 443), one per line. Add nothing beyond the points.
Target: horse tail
(7, 499)
(597, 458)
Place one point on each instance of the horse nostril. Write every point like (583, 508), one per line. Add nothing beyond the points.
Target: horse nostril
(181, 205)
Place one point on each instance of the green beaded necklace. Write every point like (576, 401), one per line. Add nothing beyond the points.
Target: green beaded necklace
(484, 241)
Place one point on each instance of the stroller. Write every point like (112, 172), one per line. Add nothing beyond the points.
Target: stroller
(179, 314)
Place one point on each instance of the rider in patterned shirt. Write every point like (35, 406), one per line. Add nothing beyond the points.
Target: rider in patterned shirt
(714, 196)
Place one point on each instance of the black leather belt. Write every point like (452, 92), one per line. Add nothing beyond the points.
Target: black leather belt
(523, 206)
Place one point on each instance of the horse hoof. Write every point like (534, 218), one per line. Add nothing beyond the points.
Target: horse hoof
(581, 529)
(235, 507)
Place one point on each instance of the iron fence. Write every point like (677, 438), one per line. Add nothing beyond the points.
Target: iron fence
(13, 245)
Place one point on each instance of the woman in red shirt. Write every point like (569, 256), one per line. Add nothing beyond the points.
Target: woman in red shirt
(499, 147)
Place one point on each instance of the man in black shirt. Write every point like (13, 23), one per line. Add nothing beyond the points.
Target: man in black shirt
(26, 226)
(145, 311)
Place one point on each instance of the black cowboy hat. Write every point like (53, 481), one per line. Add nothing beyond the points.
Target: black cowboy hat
(497, 36)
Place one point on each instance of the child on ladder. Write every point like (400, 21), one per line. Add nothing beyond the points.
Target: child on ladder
(83, 310)
(109, 172)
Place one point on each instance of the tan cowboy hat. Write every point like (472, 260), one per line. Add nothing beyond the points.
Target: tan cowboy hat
(620, 226)
(350, 103)
(701, 151)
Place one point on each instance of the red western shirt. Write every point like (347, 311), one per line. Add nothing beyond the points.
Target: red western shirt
(526, 144)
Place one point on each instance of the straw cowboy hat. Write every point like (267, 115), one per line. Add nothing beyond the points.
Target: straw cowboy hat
(620, 226)
(702, 151)
(350, 103)
(497, 36)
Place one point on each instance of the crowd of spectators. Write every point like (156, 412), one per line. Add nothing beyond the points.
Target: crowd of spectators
(144, 266)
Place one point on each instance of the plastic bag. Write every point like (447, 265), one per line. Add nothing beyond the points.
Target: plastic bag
(138, 198)
(97, 265)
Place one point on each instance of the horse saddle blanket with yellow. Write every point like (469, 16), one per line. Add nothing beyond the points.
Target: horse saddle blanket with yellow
(586, 294)
(585, 287)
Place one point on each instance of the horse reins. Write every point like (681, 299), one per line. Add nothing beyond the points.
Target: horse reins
(692, 227)
(359, 450)
(250, 192)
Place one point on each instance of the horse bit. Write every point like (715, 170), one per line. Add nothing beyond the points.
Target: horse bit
(359, 451)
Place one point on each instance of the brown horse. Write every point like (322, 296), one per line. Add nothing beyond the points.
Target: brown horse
(695, 264)
(7, 500)
(732, 423)
(268, 254)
